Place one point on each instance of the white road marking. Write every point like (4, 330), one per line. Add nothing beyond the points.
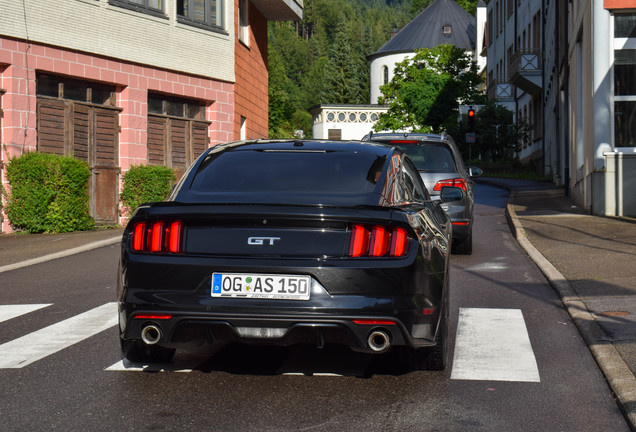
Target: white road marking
(493, 345)
(39, 344)
(128, 366)
(8, 312)
(494, 267)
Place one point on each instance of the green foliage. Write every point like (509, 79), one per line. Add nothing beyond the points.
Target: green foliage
(344, 85)
(146, 183)
(323, 58)
(48, 193)
(427, 89)
(418, 6)
(498, 136)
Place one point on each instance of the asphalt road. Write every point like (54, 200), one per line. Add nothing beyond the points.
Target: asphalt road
(517, 361)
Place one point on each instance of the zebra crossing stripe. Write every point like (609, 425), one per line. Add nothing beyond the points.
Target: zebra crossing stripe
(8, 312)
(127, 366)
(493, 345)
(49, 340)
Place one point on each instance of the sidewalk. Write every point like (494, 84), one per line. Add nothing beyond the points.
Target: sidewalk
(21, 250)
(591, 262)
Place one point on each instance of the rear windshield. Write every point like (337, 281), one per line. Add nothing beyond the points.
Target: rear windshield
(277, 173)
(429, 157)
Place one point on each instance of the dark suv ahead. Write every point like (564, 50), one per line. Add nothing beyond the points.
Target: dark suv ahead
(440, 164)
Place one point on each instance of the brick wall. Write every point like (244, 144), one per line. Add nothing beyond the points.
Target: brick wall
(252, 78)
(20, 60)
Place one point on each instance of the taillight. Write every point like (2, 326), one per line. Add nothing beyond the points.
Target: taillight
(456, 182)
(157, 237)
(378, 241)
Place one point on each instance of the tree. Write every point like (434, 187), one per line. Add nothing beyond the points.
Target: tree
(342, 82)
(305, 57)
(498, 136)
(427, 89)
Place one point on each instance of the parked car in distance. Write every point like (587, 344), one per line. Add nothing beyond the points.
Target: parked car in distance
(288, 242)
(440, 164)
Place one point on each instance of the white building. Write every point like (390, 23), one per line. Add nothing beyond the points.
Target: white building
(344, 122)
(514, 66)
(443, 22)
(568, 70)
(600, 95)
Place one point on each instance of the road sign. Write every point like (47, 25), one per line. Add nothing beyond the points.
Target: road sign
(470, 137)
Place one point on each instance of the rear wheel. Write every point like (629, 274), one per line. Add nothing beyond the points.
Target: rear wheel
(437, 356)
(434, 358)
(139, 352)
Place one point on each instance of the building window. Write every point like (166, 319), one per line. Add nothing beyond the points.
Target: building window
(625, 25)
(243, 131)
(244, 25)
(203, 13)
(177, 131)
(489, 26)
(624, 77)
(447, 30)
(625, 81)
(153, 7)
(80, 91)
(385, 74)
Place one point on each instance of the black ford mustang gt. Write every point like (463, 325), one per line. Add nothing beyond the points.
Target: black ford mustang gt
(286, 242)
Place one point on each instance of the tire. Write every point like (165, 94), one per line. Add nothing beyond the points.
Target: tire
(438, 355)
(434, 358)
(464, 247)
(137, 351)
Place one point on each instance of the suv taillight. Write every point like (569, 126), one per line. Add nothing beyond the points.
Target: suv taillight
(157, 237)
(378, 241)
(456, 182)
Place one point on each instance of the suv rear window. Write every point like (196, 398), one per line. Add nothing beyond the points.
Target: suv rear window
(428, 157)
(289, 171)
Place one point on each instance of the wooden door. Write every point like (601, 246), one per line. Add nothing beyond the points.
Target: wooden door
(89, 133)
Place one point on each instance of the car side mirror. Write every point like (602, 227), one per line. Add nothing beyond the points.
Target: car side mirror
(474, 171)
(450, 193)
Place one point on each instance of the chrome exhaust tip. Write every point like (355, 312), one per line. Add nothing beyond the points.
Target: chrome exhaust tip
(379, 341)
(151, 334)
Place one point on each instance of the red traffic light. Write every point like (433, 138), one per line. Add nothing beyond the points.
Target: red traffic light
(471, 113)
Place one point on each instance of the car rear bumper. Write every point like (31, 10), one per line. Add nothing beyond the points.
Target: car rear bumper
(370, 334)
(192, 317)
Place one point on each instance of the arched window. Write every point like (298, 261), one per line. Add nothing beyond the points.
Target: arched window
(385, 73)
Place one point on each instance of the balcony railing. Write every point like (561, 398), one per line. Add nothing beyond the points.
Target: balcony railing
(500, 91)
(525, 70)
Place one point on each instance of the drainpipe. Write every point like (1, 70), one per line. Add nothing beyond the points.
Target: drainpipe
(543, 18)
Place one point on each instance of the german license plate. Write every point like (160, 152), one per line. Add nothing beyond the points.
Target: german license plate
(259, 286)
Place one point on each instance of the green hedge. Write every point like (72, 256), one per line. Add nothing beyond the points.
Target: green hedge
(48, 193)
(146, 183)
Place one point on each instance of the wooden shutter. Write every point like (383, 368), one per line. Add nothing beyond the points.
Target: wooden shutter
(179, 137)
(51, 132)
(81, 132)
(157, 140)
(200, 139)
(106, 130)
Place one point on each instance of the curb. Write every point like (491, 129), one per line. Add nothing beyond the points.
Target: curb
(62, 254)
(618, 375)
